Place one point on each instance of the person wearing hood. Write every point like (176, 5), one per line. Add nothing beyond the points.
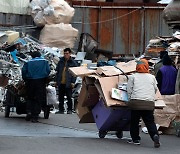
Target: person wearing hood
(141, 89)
(166, 77)
(158, 65)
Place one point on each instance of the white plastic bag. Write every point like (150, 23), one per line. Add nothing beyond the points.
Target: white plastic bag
(39, 19)
(51, 95)
(49, 11)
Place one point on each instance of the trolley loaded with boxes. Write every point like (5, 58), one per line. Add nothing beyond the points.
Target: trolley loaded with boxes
(95, 104)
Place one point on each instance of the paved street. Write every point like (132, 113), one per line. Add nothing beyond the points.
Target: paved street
(63, 134)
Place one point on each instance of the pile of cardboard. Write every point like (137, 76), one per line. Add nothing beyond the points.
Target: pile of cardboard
(98, 84)
(155, 46)
(161, 43)
(170, 113)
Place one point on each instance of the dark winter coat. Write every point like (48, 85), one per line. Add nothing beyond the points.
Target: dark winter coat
(60, 67)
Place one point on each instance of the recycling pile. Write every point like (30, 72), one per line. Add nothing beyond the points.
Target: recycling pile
(14, 55)
(170, 44)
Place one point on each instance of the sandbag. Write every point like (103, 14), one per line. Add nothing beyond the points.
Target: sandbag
(59, 35)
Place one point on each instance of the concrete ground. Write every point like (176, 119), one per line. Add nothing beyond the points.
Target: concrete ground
(63, 134)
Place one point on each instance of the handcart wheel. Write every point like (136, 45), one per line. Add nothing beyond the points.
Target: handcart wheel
(119, 134)
(7, 111)
(102, 134)
(46, 112)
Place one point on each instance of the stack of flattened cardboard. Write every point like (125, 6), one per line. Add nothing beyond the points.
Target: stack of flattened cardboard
(120, 68)
(81, 71)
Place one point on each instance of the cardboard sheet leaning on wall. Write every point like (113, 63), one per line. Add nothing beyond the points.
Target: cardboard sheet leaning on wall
(59, 35)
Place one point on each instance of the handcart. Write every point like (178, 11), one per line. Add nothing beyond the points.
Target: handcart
(16, 99)
(111, 119)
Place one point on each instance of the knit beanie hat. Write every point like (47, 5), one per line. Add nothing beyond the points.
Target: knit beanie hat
(142, 66)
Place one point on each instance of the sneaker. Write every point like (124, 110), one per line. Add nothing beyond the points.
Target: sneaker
(156, 141)
(136, 142)
(69, 112)
(59, 112)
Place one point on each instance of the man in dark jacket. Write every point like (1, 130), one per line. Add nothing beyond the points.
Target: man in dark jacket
(166, 77)
(35, 73)
(65, 80)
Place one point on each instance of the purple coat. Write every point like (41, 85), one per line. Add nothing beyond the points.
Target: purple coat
(166, 79)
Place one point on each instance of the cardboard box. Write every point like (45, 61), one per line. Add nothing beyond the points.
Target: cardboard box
(121, 67)
(90, 80)
(81, 71)
(128, 67)
(104, 86)
(159, 101)
(108, 71)
(89, 95)
(12, 36)
(84, 114)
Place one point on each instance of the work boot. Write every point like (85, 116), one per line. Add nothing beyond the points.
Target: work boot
(156, 141)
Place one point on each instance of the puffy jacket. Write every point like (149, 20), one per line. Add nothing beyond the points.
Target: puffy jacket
(141, 90)
(69, 78)
(36, 68)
